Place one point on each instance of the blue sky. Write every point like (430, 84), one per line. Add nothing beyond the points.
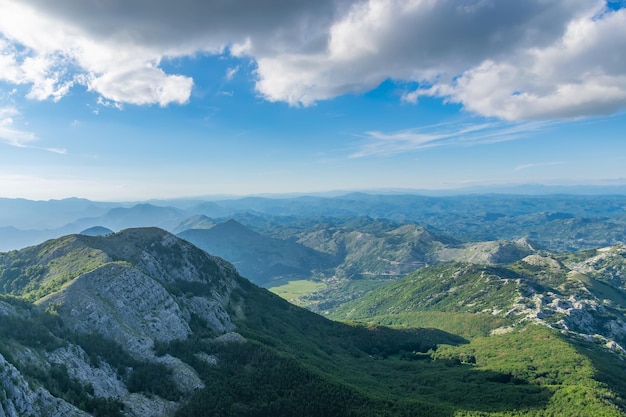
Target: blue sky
(132, 100)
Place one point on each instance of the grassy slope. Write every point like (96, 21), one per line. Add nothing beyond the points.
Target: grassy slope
(579, 379)
(39, 270)
(298, 363)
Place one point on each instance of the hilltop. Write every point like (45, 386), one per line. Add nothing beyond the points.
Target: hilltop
(257, 257)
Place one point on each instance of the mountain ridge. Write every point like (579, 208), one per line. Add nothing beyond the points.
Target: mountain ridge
(156, 327)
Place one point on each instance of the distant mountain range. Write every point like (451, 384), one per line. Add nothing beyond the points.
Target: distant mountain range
(351, 236)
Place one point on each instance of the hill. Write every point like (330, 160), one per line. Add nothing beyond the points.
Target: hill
(97, 231)
(538, 289)
(555, 222)
(369, 253)
(577, 300)
(141, 323)
(199, 221)
(257, 257)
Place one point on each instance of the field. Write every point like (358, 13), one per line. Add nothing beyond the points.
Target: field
(293, 291)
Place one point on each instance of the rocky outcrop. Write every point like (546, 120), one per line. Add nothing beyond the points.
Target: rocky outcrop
(103, 378)
(132, 300)
(121, 303)
(148, 287)
(18, 399)
(543, 261)
(486, 253)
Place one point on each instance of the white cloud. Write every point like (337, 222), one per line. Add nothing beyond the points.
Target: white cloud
(11, 135)
(59, 151)
(538, 165)
(449, 134)
(146, 85)
(52, 55)
(581, 74)
(511, 60)
(231, 72)
(515, 60)
(19, 137)
(115, 47)
(429, 42)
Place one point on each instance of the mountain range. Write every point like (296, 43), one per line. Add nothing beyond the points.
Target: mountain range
(142, 323)
(557, 222)
(446, 306)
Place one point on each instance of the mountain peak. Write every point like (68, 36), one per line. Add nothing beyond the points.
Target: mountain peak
(97, 231)
(234, 228)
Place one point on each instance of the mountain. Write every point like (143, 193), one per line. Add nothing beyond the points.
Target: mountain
(606, 264)
(486, 253)
(539, 288)
(116, 218)
(557, 222)
(12, 238)
(139, 215)
(199, 221)
(101, 305)
(40, 215)
(369, 253)
(520, 317)
(142, 323)
(97, 231)
(257, 257)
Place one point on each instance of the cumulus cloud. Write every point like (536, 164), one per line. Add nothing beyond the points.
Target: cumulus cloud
(451, 48)
(521, 60)
(583, 73)
(116, 47)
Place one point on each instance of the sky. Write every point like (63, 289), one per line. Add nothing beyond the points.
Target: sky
(129, 100)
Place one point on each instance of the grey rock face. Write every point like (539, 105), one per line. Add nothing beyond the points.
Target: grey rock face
(104, 379)
(122, 303)
(147, 290)
(18, 399)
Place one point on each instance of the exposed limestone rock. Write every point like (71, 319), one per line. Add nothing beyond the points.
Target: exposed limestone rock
(543, 261)
(18, 399)
(104, 379)
(210, 311)
(147, 289)
(138, 405)
(185, 377)
(231, 337)
(122, 303)
(209, 359)
(486, 253)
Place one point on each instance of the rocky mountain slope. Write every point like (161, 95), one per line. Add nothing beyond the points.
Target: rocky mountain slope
(142, 323)
(129, 289)
(579, 294)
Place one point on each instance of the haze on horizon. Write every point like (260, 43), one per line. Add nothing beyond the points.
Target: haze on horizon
(132, 100)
